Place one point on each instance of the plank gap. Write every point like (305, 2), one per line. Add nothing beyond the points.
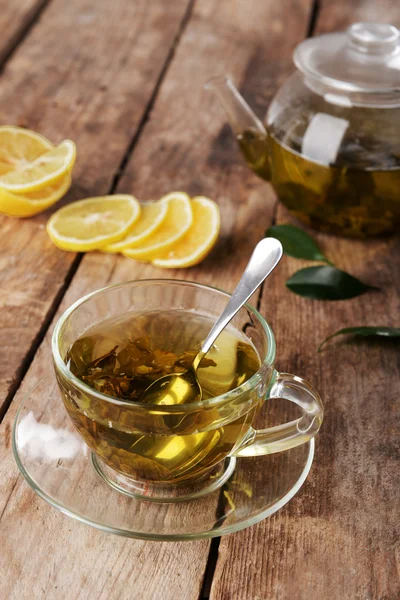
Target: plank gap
(210, 569)
(260, 296)
(40, 335)
(146, 115)
(215, 542)
(22, 33)
(314, 14)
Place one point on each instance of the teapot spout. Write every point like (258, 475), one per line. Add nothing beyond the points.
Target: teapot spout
(239, 113)
(250, 133)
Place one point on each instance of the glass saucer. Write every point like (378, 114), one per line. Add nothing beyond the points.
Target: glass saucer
(58, 465)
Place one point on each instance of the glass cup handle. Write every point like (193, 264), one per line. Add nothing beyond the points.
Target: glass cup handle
(291, 434)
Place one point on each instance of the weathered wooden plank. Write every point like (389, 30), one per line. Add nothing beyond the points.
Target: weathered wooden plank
(87, 72)
(15, 18)
(337, 539)
(183, 146)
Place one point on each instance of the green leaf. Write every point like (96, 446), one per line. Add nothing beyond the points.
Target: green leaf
(382, 332)
(296, 242)
(326, 283)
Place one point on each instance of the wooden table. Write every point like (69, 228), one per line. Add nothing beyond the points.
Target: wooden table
(124, 80)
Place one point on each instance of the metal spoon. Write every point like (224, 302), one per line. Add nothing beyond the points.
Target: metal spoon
(180, 388)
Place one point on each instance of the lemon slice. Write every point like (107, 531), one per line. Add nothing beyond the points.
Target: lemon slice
(198, 241)
(151, 217)
(19, 147)
(29, 204)
(176, 223)
(224, 354)
(48, 167)
(94, 222)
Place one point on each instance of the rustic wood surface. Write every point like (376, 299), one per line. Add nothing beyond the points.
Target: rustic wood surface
(124, 80)
(106, 46)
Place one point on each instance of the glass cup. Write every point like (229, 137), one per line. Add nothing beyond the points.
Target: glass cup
(178, 452)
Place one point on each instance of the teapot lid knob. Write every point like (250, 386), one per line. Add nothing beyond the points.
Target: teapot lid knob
(374, 38)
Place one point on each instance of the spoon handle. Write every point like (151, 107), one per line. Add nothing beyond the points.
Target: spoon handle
(264, 259)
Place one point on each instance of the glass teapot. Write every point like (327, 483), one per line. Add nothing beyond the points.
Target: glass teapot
(331, 141)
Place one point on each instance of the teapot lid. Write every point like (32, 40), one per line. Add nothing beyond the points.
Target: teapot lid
(365, 58)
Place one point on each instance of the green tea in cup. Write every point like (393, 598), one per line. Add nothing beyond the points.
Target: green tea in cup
(122, 357)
